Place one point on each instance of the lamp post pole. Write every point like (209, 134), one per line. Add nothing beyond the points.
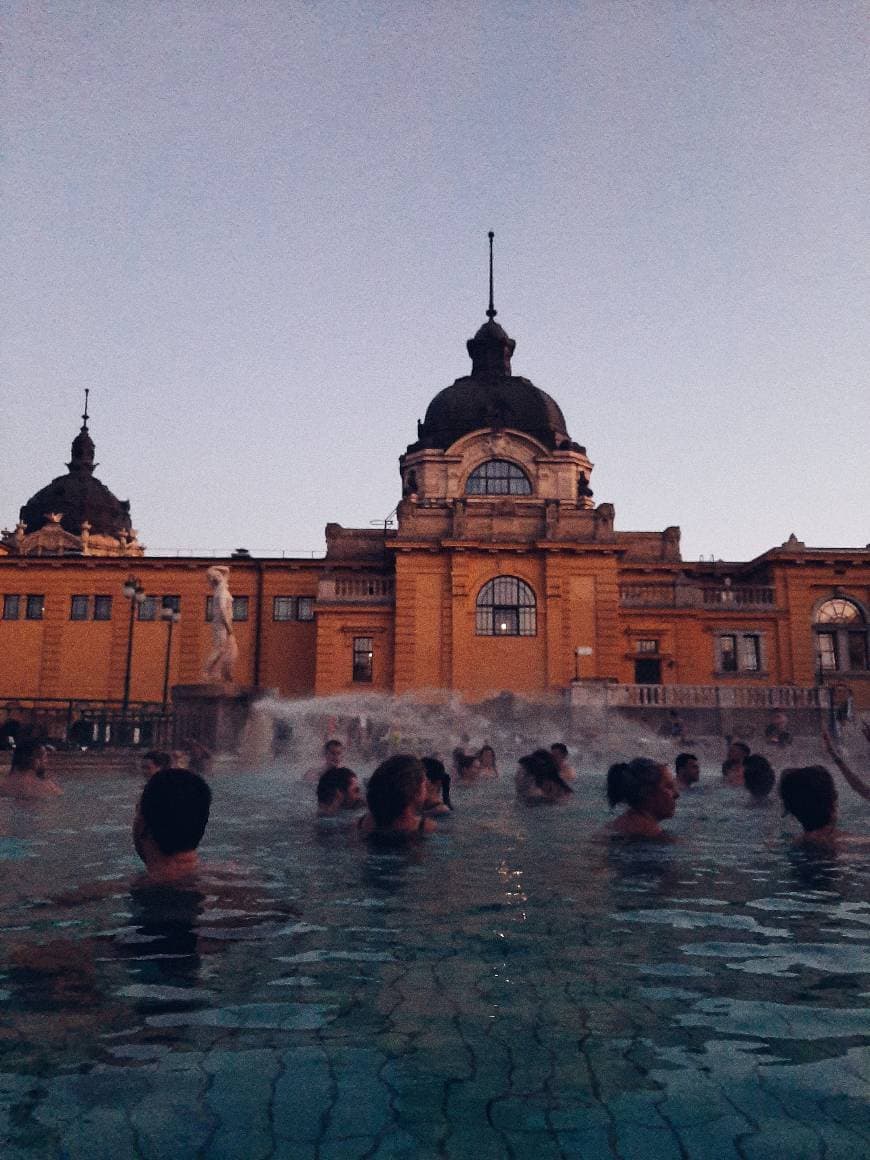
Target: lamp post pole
(172, 617)
(135, 593)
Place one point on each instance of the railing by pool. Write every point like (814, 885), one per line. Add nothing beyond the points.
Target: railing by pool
(720, 596)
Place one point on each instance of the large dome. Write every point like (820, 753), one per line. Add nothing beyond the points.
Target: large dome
(491, 397)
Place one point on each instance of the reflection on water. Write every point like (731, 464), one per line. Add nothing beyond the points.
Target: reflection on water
(510, 987)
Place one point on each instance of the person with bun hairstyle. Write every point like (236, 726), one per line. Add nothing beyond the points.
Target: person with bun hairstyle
(649, 791)
(538, 780)
(395, 795)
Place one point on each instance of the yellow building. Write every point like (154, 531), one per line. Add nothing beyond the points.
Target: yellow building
(501, 567)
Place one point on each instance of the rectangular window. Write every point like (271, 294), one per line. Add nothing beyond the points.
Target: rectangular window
(102, 608)
(858, 651)
(506, 621)
(740, 652)
(147, 610)
(728, 654)
(173, 602)
(284, 608)
(240, 608)
(750, 653)
(78, 608)
(827, 646)
(363, 656)
(306, 608)
(11, 607)
(35, 607)
(647, 646)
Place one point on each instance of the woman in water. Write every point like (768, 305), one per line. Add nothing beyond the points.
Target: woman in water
(27, 775)
(395, 796)
(650, 793)
(488, 766)
(538, 780)
(808, 793)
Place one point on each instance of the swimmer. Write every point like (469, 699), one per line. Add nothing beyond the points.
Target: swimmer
(732, 771)
(759, 778)
(809, 794)
(687, 770)
(395, 795)
(338, 790)
(538, 781)
(560, 753)
(169, 823)
(488, 766)
(154, 760)
(437, 787)
(333, 757)
(649, 791)
(468, 766)
(27, 774)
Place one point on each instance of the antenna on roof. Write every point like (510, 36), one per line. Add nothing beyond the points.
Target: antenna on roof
(85, 415)
(491, 312)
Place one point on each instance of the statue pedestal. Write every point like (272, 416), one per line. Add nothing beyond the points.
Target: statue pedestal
(215, 715)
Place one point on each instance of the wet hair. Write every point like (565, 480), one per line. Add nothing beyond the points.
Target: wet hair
(486, 749)
(758, 775)
(542, 768)
(438, 775)
(560, 748)
(24, 755)
(175, 805)
(464, 761)
(732, 763)
(809, 794)
(158, 757)
(632, 782)
(393, 787)
(742, 746)
(332, 782)
(682, 760)
(331, 742)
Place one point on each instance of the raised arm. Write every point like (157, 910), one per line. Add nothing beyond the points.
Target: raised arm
(858, 784)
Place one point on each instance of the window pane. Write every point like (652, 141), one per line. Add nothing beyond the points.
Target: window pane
(11, 607)
(506, 621)
(498, 477)
(648, 646)
(240, 608)
(78, 608)
(857, 651)
(506, 607)
(173, 602)
(306, 608)
(728, 654)
(827, 646)
(839, 611)
(284, 608)
(35, 607)
(102, 608)
(148, 608)
(363, 656)
(751, 659)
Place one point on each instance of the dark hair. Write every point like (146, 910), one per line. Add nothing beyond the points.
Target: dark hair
(809, 794)
(24, 754)
(174, 806)
(465, 761)
(542, 768)
(332, 782)
(438, 775)
(485, 749)
(740, 745)
(731, 763)
(332, 741)
(632, 781)
(683, 759)
(560, 748)
(393, 787)
(758, 775)
(158, 757)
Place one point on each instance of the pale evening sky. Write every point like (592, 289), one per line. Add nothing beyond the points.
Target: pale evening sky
(257, 232)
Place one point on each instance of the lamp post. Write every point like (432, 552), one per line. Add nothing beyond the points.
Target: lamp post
(172, 617)
(135, 593)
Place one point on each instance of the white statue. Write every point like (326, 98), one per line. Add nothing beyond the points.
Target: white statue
(225, 652)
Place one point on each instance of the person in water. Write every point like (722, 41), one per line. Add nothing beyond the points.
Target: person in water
(488, 764)
(560, 752)
(154, 760)
(333, 756)
(27, 777)
(732, 766)
(437, 787)
(468, 766)
(395, 795)
(538, 781)
(687, 770)
(650, 794)
(169, 823)
(759, 778)
(808, 793)
(338, 790)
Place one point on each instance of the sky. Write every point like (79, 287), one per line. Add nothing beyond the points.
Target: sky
(257, 233)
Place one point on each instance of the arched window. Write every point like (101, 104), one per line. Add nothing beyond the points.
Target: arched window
(506, 607)
(498, 477)
(840, 629)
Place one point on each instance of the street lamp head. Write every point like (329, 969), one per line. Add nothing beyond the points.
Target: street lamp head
(170, 615)
(129, 588)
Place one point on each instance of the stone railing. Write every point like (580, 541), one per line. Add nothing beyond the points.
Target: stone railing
(356, 590)
(720, 596)
(700, 696)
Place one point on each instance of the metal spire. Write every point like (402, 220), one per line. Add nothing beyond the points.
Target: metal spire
(491, 312)
(85, 415)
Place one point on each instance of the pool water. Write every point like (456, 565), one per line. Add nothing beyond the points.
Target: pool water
(511, 987)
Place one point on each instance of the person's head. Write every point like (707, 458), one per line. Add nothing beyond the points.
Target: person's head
(687, 769)
(437, 782)
(172, 813)
(398, 784)
(487, 757)
(29, 757)
(333, 752)
(339, 789)
(542, 767)
(737, 751)
(732, 770)
(154, 760)
(809, 794)
(779, 720)
(560, 752)
(468, 765)
(643, 785)
(758, 775)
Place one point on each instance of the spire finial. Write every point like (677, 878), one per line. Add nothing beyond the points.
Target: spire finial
(491, 312)
(85, 415)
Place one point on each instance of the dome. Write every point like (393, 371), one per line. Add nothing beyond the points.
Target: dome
(491, 397)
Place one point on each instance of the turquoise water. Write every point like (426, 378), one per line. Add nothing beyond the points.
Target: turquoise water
(510, 988)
